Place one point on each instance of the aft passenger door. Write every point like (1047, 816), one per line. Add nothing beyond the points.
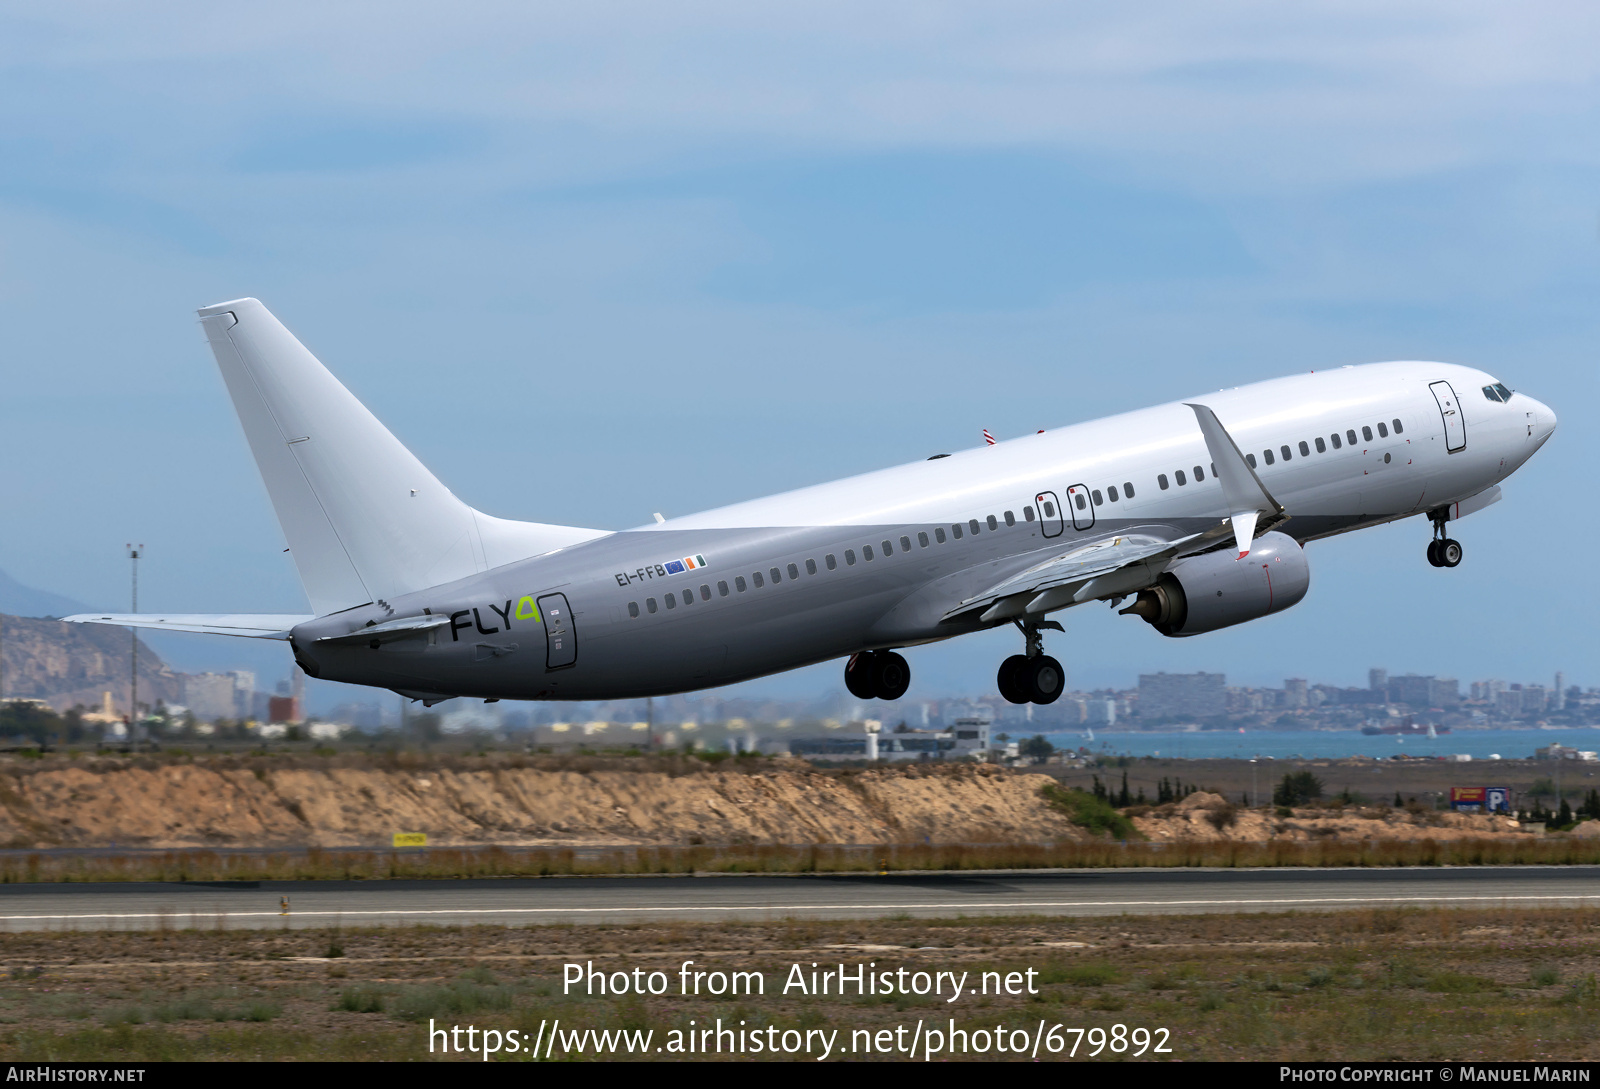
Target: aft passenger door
(1050, 523)
(1082, 507)
(560, 638)
(1455, 428)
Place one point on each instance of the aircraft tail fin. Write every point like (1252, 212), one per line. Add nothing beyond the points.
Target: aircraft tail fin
(364, 519)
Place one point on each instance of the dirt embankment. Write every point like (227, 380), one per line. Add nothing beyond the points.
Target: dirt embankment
(1203, 816)
(277, 802)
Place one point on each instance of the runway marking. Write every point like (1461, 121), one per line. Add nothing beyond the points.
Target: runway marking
(960, 906)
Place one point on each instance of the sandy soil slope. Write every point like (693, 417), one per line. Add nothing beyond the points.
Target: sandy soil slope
(1203, 816)
(350, 802)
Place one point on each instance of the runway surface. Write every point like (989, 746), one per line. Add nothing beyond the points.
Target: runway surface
(534, 901)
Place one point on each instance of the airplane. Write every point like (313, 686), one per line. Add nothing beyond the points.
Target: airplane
(1198, 510)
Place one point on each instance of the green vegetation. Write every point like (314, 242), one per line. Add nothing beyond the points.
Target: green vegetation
(1297, 788)
(1089, 812)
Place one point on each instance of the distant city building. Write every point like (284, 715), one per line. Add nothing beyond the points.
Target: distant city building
(1295, 693)
(1378, 680)
(1101, 712)
(1418, 691)
(1182, 695)
(1558, 695)
(210, 696)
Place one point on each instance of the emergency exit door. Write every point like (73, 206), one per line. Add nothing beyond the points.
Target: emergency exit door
(1078, 500)
(560, 638)
(1455, 428)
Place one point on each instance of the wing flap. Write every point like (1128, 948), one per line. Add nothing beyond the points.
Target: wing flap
(246, 625)
(1076, 567)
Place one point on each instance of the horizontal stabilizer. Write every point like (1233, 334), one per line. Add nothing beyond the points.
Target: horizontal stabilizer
(249, 625)
(389, 631)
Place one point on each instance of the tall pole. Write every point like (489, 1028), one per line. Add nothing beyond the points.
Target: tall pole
(133, 677)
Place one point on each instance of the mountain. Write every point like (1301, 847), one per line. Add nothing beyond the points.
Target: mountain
(19, 600)
(67, 664)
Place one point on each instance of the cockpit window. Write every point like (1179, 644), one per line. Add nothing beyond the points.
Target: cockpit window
(1500, 388)
(1491, 393)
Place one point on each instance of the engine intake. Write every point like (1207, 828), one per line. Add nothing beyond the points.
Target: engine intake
(1203, 593)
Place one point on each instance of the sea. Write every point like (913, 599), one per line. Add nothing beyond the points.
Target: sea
(1320, 744)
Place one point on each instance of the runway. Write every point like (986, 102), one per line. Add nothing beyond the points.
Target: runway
(544, 901)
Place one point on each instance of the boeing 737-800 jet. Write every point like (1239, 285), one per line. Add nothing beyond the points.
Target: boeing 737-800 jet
(1197, 510)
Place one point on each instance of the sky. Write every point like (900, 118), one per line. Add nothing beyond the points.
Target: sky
(595, 261)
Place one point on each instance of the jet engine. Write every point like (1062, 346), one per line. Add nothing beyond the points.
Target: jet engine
(1217, 590)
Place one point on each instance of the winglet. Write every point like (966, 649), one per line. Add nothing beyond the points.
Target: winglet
(1246, 496)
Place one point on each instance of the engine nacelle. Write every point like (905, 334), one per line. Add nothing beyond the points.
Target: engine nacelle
(1203, 593)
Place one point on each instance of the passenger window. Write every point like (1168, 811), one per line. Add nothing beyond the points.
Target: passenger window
(832, 563)
(811, 567)
(972, 524)
(1099, 500)
(1083, 504)
(866, 552)
(722, 588)
(794, 572)
(1111, 492)
(1383, 430)
(1011, 519)
(1180, 478)
(1027, 514)
(1213, 468)
(1199, 474)
(994, 523)
(650, 604)
(1350, 437)
(633, 609)
(1305, 451)
(1268, 455)
(1322, 447)
(1366, 433)
(1398, 430)
(922, 539)
(905, 544)
(938, 535)
(888, 549)
(705, 591)
(956, 530)
(1335, 438)
(738, 583)
(1250, 459)
(775, 575)
(1284, 450)
(850, 557)
(1127, 489)
(672, 601)
(688, 597)
(1161, 479)
(1049, 509)
(755, 576)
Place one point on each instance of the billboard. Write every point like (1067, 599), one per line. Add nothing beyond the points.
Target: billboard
(1489, 799)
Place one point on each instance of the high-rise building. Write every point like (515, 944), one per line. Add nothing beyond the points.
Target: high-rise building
(209, 696)
(1378, 680)
(1295, 694)
(1182, 695)
(1558, 697)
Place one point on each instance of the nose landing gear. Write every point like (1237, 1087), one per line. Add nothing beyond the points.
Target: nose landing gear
(1034, 677)
(1442, 551)
(877, 674)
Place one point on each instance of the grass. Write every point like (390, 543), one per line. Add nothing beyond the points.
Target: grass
(1404, 984)
(448, 863)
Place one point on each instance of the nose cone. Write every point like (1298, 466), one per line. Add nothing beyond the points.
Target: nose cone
(1541, 422)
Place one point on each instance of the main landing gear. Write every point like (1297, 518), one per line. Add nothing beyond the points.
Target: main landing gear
(1442, 551)
(1033, 677)
(877, 674)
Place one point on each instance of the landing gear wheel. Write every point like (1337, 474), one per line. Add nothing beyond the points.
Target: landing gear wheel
(1043, 679)
(858, 676)
(891, 675)
(1449, 553)
(1010, 670)
(1433, 554)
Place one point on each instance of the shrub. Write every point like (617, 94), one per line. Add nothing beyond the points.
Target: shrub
(1297, 788)
(1089, 812)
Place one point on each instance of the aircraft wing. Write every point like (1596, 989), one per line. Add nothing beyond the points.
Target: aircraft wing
(249, 625)
(1111, 566)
